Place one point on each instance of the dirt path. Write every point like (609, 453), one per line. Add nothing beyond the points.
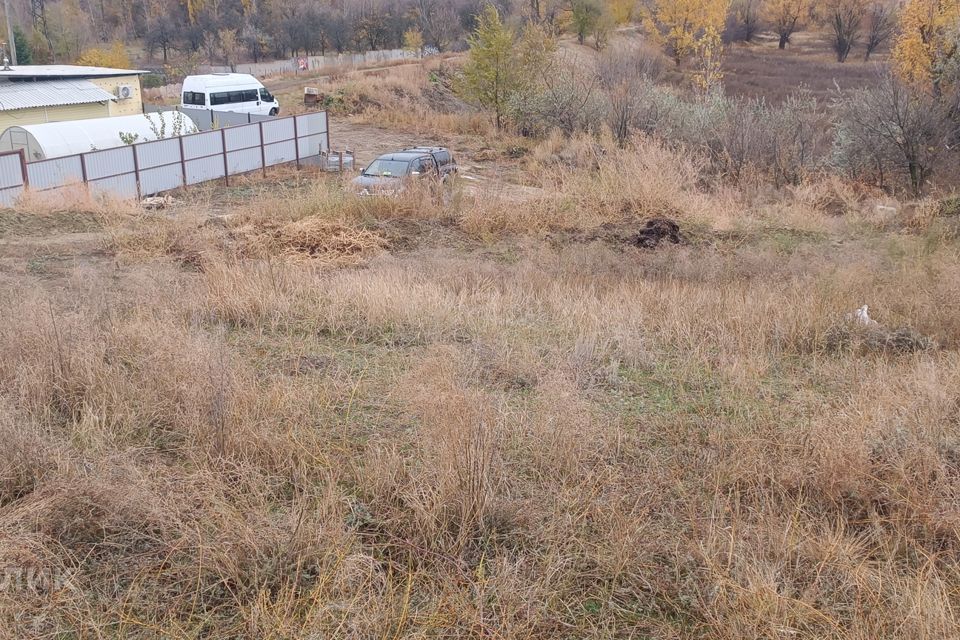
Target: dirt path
(284, 83)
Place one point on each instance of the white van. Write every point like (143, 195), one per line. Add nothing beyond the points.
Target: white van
(229, 92)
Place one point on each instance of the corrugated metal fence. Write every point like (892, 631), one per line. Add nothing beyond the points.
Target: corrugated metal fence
(148, 168)
(13, 175)
(207, 119)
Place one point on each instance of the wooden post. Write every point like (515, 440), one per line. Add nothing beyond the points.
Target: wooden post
(23, 167)
(226, 167)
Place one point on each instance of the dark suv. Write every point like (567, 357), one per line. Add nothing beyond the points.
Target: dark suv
(387, 174)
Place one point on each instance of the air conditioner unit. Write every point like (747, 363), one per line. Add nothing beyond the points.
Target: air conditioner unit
(125, 91)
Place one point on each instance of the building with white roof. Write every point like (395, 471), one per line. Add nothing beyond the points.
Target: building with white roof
(36, 94)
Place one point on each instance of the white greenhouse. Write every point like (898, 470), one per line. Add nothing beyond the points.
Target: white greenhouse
(58, 139)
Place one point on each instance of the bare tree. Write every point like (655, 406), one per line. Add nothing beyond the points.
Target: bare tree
(625, 77)
(846, 18)
(746, 19)
(889, 126)
(438, 22)
(786, 17)
(881, 24)
(568, 95)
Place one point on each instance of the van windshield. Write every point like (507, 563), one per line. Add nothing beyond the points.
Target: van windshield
(387, 168)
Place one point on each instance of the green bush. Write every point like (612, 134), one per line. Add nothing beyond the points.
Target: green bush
(154, 80)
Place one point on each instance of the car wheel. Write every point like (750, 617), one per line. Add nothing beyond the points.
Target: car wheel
(274, 112)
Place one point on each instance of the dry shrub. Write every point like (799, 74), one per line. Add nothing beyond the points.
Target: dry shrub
(445, 500)
(876, 339)
(588, 183)
(808, 507)
(267, 294)
(28, 458)
(328, 243)
(526, 438)
(920, 216)
(148, 381)
(408, 98)
(181, 235)
(828, 195)
(459, 437)
(75, 198)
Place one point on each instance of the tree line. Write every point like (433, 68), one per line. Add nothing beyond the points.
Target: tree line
(228, 31)
(900, 132)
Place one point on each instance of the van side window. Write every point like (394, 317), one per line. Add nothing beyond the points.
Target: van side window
(234, 97)
(194, 98)
(266, 96)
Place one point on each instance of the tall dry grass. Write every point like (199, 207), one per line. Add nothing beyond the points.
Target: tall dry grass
(302, 427)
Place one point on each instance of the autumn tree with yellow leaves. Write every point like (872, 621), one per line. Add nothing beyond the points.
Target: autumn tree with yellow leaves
(116, 57)
(681, 26)
(926, 52)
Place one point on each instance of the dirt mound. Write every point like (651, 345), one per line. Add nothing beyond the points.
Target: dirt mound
(328, 242)
(658, 230)
(654, 232)
(442, 99)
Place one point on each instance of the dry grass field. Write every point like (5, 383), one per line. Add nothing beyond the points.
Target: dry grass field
(276, 410)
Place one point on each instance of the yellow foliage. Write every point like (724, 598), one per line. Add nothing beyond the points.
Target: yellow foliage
(413, 41)
(193, 8)
(680, 24)
(709, 50)
(622, 11)
(927, 42)
(115, 57)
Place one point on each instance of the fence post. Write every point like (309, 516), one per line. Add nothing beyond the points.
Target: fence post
(183, 161)
(83, 167)
(136, 170)
(263, 151)
(296, 141)
(226, 166)
(326, 124)
(23, 167)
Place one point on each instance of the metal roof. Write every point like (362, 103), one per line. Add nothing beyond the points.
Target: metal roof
(50, 93)
(65, 71)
